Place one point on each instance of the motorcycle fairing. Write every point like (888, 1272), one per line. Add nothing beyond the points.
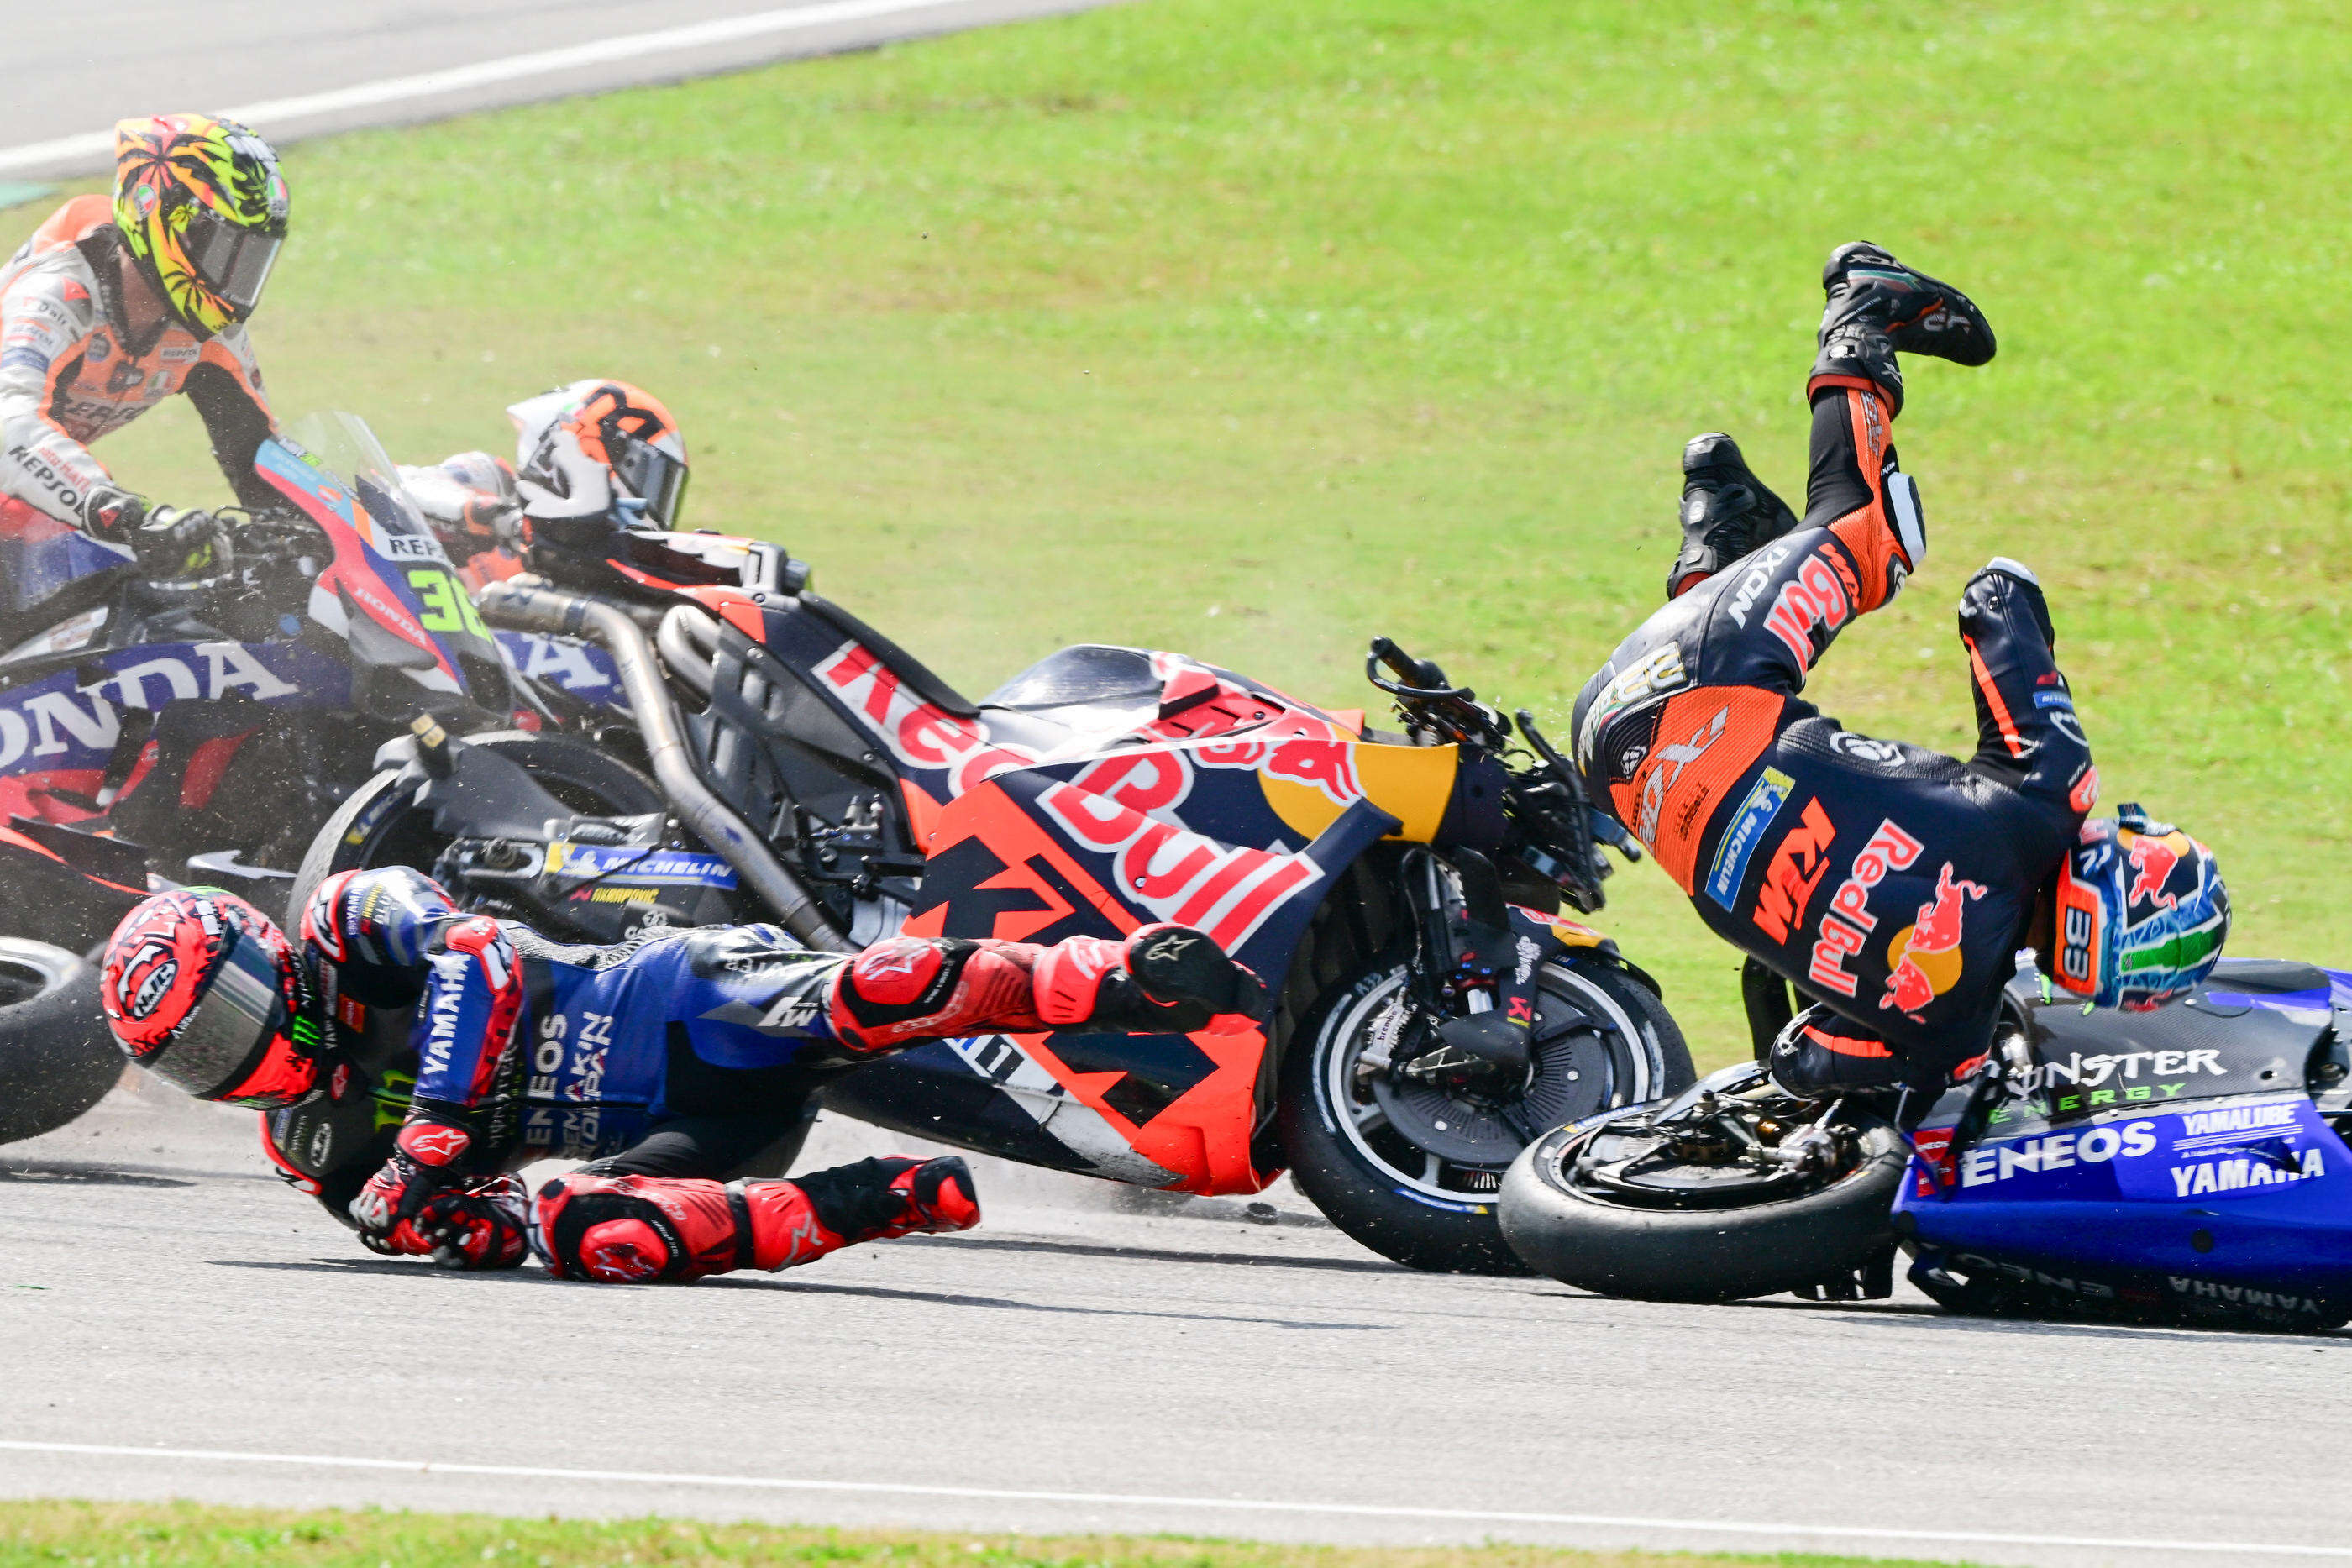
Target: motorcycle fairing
(2168, 1163)
(386, 578)
(59, 729)
(1030, 857)
(39, 556)
(581, 668)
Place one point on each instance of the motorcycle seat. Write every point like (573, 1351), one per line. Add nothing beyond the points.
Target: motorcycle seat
(2267, 976)
(1090, 688)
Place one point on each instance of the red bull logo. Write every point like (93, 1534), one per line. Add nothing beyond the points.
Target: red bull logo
(2152, 863)
(1925, 955)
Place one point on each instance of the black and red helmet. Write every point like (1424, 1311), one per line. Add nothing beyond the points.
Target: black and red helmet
(203, 990)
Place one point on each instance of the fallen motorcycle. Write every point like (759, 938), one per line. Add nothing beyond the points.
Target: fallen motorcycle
(1398, 892)
(2184, 1165)
(202, 728)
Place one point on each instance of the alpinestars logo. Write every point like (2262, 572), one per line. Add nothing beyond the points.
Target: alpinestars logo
(1169, 946)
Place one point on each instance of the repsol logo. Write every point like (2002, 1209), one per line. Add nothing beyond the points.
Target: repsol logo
(66, 719)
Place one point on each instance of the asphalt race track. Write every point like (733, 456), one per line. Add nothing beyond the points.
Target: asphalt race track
(173, 1322)
(303, 67)
(1078, 1365)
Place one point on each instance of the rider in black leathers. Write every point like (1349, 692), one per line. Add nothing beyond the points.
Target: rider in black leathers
(1892, 884)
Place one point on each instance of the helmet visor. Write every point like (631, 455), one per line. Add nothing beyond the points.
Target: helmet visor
(226, 1036)
(233, 262)
(653, 477)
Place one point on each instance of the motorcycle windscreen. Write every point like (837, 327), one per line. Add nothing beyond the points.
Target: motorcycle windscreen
(409, 556)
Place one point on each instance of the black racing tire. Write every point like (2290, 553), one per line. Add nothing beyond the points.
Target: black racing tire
(377, 826)
(56, 1059)
(1442, 1218)
(1705, 1255)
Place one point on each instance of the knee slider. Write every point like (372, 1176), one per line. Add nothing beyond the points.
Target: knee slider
(1910, 522)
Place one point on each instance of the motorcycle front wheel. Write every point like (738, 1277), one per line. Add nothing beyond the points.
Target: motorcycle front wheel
(1609, 1207)
(56, 1059)
(1412, 1172)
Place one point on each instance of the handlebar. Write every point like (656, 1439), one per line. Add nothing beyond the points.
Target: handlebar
(1545, 802)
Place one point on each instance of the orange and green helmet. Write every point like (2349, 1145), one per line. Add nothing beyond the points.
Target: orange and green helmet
(202, 206)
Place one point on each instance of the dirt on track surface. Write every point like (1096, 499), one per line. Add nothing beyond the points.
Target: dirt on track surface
(162, 1290)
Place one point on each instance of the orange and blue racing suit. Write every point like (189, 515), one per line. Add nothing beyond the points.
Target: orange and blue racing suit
(70, 372)
(1891, 885)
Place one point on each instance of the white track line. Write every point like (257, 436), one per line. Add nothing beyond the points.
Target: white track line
(275, 112)
(1134, 1499)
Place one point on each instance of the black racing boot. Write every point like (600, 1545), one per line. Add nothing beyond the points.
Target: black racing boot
(1878, 306)
(1727, 511)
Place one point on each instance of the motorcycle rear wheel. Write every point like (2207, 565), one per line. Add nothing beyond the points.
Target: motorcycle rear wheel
(381, 825)
(1413, 1176)
(1580, 1233)
(56, 1059)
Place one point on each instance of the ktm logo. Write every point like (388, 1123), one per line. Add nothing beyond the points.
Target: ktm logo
(1795, 868)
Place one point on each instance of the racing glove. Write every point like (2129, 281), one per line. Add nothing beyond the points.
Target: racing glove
(111, 512)
(172, 543)
(423, 1204)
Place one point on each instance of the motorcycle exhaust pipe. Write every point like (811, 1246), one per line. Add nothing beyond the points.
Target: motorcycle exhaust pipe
(688, 640)
(553, 612)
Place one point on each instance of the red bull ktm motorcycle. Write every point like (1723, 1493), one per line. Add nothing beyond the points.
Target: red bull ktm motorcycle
(1401, 893)
(201, 728)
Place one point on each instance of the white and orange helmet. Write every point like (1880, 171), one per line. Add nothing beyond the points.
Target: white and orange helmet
(599, 449)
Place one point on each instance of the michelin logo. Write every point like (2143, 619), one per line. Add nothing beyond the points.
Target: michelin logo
(1746, 831)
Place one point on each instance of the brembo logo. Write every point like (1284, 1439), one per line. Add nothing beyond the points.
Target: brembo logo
(61, 719)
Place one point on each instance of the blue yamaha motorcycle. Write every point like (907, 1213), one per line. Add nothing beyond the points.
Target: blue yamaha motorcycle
(201, 728)
(2184, 1165)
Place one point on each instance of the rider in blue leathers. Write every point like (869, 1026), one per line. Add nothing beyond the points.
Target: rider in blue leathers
(411, 1057)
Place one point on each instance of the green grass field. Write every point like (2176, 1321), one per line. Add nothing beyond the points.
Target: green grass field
(184, 1535)
(1250, 328)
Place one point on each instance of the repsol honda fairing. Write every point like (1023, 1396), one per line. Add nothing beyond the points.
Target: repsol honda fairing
(201, 729)
(2187, 1165)
(1399, 891)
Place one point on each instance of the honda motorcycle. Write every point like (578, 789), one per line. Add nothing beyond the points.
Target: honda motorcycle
(2183, 1165)
(202, 728)
(1398, 894)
